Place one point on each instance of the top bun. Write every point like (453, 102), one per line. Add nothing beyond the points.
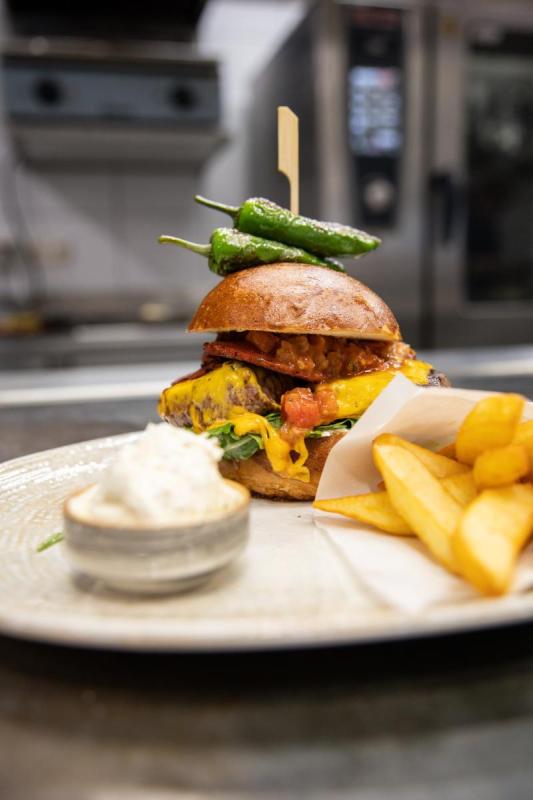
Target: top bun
(296, 298)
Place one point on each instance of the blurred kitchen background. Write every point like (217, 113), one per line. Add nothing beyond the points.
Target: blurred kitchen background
(416, 123)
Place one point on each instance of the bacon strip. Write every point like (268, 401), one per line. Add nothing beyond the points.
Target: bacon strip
(242, 351)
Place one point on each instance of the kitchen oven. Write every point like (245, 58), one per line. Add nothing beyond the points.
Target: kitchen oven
(417, 124)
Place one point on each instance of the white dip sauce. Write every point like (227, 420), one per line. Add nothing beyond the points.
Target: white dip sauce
(167, 476)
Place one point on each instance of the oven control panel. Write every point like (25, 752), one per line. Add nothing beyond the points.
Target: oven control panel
(375, 110)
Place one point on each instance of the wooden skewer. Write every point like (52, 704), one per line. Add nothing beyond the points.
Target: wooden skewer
(288, 153)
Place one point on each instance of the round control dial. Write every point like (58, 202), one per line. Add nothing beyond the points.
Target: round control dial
(48, 92)
(183, 98)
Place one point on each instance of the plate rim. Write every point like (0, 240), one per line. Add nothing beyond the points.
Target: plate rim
(453, 619)
(406, 627)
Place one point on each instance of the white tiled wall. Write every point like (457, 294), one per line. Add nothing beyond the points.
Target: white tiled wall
(110, 220)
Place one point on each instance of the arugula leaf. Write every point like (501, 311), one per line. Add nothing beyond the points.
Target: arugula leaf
(237, 448)
(339, 425)
(274, 418)
(55, 538)
(243, 447)
(226, 429)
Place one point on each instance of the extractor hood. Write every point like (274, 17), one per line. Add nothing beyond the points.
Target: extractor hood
(110, 101)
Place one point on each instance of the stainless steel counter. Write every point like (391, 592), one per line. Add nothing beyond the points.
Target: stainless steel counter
(89, 345)
(77, 384)
(49, 408)
(501, 369)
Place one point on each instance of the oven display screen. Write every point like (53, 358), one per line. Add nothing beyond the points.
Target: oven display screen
(375, 111)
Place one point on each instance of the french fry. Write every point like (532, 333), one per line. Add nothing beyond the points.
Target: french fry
(491, 534)
(374, 508)
(524, 433)
(491, 423)
(501, 466)
(420, 499)
(448, 450)
(461, 487)
(524, 436)
(470, 502)
(440, 466)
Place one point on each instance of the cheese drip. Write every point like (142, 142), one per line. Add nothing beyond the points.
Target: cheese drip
(277, 450)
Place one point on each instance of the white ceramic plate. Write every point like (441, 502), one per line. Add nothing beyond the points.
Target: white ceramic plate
(290, 589)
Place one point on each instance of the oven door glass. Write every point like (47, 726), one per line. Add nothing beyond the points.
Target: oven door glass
(499, 154)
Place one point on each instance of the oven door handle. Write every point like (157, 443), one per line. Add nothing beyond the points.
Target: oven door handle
(446, 204)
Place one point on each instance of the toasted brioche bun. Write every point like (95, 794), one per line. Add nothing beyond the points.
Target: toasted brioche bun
(296, 298)
(256, 473)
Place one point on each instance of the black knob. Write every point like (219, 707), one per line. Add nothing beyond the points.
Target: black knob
(183, 98)
(48, 91)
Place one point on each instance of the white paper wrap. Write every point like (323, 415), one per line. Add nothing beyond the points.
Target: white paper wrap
(399, 571)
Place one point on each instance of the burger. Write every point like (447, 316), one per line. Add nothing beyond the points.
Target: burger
(300, 353)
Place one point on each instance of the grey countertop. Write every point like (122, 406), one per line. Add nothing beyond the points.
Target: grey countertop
(447, 719)
(86, 345)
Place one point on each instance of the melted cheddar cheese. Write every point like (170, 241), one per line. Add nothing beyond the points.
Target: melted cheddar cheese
(354, 395)
(211, 398)
(210, 401)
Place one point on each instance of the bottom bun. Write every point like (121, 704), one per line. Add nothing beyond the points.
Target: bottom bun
(256, 472)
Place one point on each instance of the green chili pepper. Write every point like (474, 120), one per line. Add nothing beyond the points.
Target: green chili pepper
(230, 251)
(262, 217)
